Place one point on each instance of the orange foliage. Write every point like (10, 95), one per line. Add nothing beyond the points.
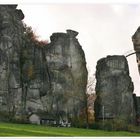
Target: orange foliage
(42, 43)
(90, 115)
(32, 37)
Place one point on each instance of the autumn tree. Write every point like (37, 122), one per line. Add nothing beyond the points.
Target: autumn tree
(90, 92)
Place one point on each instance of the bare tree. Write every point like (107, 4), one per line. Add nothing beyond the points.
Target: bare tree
(90, 90)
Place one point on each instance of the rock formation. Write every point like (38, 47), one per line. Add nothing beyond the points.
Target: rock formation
(136, 43)
(137, 108)
(49, 80)
(114, 90)
(68, 75)
(11, 34)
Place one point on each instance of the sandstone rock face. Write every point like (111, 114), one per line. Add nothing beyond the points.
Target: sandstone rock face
(136, 43)
(11, 33)
(59, 80)
(137, 108)
(114, 89)
(68, 75)
(35, 82)
(50, 80)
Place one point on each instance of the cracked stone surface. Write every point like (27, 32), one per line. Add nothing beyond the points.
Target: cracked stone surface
(114, 89)
(33, 79)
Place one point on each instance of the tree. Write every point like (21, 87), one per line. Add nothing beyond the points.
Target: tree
(90, 92)
(91, 85)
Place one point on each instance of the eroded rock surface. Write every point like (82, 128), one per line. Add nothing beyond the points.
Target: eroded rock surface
(137, 108)
(136, 43)
(11, 40)
(38, 80)
(114, 90)
(68, 75)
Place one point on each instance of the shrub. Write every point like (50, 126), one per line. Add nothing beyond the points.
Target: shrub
(95, 125)
(120, 124)
(79, 123)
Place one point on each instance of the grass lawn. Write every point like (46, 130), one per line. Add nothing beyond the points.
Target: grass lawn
(10, 129)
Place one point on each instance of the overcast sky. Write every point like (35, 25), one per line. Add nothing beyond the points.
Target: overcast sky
(104, 29)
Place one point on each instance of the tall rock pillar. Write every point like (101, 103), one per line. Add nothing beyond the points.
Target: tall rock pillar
(136, 44)
(114, 90)
(11, 40)
(68, 76)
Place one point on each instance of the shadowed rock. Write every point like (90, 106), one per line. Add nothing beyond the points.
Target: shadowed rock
(68, 75)
(72, 33)
(11, 39)
(136, 43)
(33, 79)
(114, 90)
(137, 108)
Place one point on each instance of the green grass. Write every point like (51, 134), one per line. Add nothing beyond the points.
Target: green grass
(10, 129)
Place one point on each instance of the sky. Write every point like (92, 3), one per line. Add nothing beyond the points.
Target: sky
(104, 29)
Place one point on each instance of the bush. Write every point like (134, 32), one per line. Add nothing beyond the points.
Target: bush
(21, 119)
(120, 124)
(79, 123)
(108, 125)
(133, 128)
(95, 125)
(111, 125)
(4, 116)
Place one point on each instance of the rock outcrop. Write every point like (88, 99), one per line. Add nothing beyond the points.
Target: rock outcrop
(49, 80)
(11, 40)
(137, 108)
(114, 90)
(136, 44)
(68, 75)
(57, 85)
